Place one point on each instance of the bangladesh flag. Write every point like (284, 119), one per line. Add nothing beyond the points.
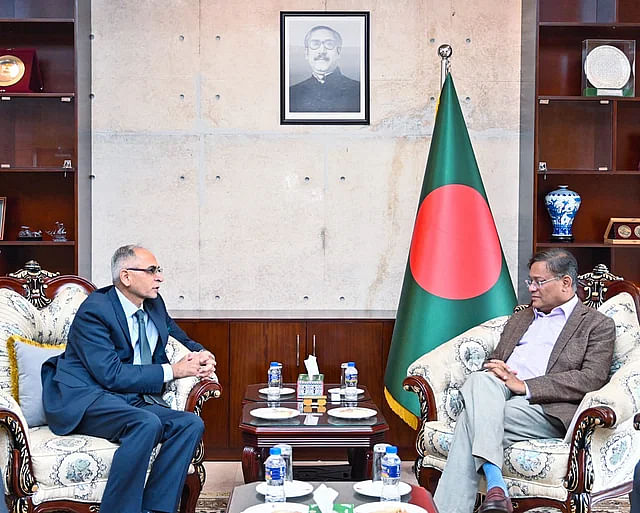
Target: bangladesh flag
(456, 276)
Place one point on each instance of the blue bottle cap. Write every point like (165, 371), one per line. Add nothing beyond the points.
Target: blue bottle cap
(275, 451)
(351, 364)
(274, 364)
(392, 449)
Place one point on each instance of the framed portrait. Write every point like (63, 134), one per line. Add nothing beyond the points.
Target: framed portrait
(3, 208)
(324, 68)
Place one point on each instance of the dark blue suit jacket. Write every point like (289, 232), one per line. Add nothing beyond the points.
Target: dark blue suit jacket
(99, 359)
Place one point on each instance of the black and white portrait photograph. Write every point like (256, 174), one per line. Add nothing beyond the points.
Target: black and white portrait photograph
(324, 67)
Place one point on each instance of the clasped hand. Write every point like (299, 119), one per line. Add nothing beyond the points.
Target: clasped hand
(200, 364)
(507, 375)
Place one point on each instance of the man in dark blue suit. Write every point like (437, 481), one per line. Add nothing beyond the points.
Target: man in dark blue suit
(109, 380)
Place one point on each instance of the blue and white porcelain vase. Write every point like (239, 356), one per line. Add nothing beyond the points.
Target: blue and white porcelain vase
(562, 205)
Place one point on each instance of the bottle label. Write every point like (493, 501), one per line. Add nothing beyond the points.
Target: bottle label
(390, 471)
(274, 473)
(274, 379)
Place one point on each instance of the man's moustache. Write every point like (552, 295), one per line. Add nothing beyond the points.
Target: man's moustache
(321, 58)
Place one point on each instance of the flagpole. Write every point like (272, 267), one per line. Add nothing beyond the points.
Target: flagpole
(444, 51)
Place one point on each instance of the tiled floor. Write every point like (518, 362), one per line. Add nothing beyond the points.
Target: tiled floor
(222, 476)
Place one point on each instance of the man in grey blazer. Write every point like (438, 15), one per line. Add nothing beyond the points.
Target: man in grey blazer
(548, 357)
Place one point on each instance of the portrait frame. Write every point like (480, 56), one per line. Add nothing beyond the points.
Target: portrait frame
(3, 210)
(341, 95)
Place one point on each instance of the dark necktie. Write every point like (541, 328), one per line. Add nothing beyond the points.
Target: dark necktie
(145, 356)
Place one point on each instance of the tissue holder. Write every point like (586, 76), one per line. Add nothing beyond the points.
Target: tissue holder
(310, 386)
(338, 508)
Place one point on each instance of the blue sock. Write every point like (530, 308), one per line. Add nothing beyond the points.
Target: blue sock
(494, 477)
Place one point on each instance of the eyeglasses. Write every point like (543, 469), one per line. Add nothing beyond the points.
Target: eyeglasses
(329, 44)
(152, 269)
(536, 284)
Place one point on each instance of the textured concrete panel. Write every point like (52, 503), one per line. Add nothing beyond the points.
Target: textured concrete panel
(145, 192)
(287, 217)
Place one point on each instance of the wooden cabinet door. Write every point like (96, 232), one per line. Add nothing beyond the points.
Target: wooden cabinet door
(214, 336)
(253, 344)
(344, 341)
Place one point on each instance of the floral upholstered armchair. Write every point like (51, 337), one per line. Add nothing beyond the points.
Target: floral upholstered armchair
(43, 471)
(595, 460)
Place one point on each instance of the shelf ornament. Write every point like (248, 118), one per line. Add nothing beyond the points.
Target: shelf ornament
(20, 71)
(562, 205)
(608, 67)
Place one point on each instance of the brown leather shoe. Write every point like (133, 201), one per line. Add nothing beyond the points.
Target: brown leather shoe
(496, 502)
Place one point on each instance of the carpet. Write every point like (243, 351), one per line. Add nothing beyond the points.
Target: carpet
(212, 504)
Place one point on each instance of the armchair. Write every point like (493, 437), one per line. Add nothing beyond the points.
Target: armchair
(595, 460)
(44, 472)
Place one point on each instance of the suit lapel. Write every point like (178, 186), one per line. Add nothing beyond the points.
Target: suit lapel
(519, 329)
(159, 320)
(567, 332)
(122, 320)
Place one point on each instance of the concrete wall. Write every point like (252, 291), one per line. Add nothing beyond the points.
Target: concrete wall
(190, 160)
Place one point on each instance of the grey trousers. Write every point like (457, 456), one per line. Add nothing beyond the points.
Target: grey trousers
(492, 419)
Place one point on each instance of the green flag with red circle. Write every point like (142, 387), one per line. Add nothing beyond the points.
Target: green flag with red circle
(456, 275)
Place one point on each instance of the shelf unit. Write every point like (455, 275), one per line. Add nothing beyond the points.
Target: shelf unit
(591, 144)
(39, 132)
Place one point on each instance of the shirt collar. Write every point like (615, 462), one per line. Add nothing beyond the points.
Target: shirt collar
(565, 308)
(129, 308)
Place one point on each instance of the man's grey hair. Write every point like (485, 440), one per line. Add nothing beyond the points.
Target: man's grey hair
(559, 263)
(120, 258)
(336, 35)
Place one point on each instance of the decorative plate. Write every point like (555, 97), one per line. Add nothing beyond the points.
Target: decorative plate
(373, 488)
(277, 507)
(11, 70)
(388, 507)
(351, 413)
(283, 391)
(341, 392)
(279, 413)
(291, 488)
(607, 67)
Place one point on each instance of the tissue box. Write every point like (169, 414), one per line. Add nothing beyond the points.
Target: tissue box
(338, 508)
(310, 386)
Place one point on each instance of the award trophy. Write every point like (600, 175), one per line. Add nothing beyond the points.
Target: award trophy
(608, 67)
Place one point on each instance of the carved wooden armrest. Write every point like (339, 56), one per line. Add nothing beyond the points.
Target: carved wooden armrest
(636, 421)
(201, 392)
(19, 472)
(580, 473)
(420, 386)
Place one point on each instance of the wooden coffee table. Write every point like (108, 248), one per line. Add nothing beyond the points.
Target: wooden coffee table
(315, 431)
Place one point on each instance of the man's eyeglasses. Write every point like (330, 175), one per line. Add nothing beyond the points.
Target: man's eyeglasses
(152, 269)
(329, 44)
(536, 284)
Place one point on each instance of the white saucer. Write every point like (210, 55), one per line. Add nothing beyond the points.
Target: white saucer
(283, 391)
(279, 413)
(373, 489)
(388, 507)
(351, 412)
(291, 488)
(273, 507)
(341, 391)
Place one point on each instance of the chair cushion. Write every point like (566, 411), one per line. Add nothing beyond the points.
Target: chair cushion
(531, 468)
(25, 362)
(622, 310)
(49, 325)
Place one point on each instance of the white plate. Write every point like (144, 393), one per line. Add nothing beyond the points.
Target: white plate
(388, 507)
(373, 489)
(279, 413)
(274, 507)
(291, 488)
(607, 67)
(283, 391)
(352, 413)
(341, 392)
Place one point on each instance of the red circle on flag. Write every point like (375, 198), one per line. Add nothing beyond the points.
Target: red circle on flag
(455, 250)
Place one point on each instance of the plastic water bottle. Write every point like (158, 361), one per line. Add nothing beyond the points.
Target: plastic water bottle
(274, 472)
(390, 476)
(351, 382)
(274, 380)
